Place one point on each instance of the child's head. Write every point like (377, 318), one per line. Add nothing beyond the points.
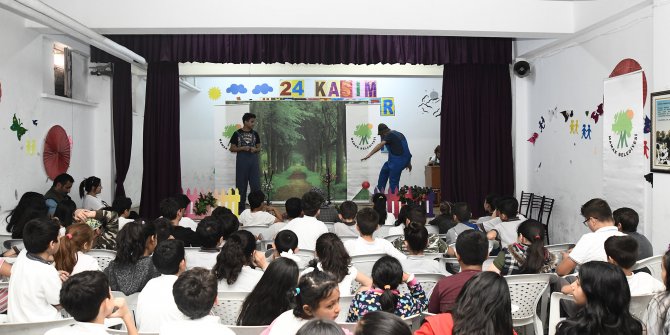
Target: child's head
(182, 200)
(86, 295)
(367, 221)
(235, 253)
(461, 212)
(348, 210)
(41, 235)
(531, 232)
(131, 243)
(626, 219)
(415, 214)
(508, 208)
(472, 247)
(163, 228)
(286, 240)
(293, 208)
(209, 231)
(387, 276)
(375, 323)
(483, 306)
(170, 209)
(256, 199)
(489, 203)
(64, 211)
(317, 296)
(221, 210)
(229, 224)
(78, 237)
(168, 257)
(416, 237)
(333, 256)
(602, 284)
(597, 209)
(121, 205)
(273, 294)
(195, 292)
(622, 251)
(32, 205)
(445, 208)
(320, 327)
(311, 203)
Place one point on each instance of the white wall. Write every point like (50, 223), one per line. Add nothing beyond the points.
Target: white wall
(660, 234)
(197, 134)
(570, 77)
(22, 59)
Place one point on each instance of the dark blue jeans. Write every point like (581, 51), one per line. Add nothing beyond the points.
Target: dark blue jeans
(247, 171)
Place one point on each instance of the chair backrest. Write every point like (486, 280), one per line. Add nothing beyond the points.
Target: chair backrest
(432, 229)
(33, 328)
(526, 291)
(392, 238)
(228, 306)
(364, 263)
(450, 264)
(557, 250)
(125, 332)
(382, 232)
(330, 226)
(247, 330)
(350, 326)
(305, 256)
(638, 305)
(131, 300)
(265, 231)
(524, 203)
(104, 257)
(535, 211)
(652, 263)
(547, 208)
(348, 238)
(345, 303)
(427, 281)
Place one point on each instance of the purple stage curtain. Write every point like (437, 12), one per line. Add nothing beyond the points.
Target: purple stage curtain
(161, 177)
(315, 49)
(476, 134)
(122, 115)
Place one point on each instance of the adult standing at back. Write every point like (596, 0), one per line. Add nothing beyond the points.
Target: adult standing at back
(399, 157)
(247, 144)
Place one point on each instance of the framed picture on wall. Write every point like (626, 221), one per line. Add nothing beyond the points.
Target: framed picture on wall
(660, 132)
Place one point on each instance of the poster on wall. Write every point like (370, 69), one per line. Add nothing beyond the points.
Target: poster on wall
(623, 160)
(660, 131)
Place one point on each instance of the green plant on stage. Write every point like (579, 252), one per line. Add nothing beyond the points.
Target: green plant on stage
(200, 205)
(413, 194)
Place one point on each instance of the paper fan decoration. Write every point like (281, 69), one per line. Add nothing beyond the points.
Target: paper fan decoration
(56, 156)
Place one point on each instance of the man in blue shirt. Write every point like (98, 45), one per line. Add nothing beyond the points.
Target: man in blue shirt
(247, 144)
(399, 157)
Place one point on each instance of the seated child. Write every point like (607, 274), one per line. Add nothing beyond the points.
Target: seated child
(155, 304)
(622, 251)
(195, 293)
(444, 221)
(416, 241)
(415, 214)
(375, 323)
(286, 245)
(236, 264)
(71, 256)
(316, 297)
(260, 214)
(211, 237)
(387, 275)
(308, 227)
(505, 230)
(528, 255)
(366, 243)
(462, 216)
(35, 282)
(347, 216)
(627, 219)
(86, 296)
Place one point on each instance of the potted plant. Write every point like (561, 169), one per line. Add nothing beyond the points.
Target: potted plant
(204, 204)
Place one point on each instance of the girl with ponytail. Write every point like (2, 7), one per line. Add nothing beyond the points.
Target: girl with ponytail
(237, 262)
(332, 257)
(528, 255)
(387, 275)
(88, 190)
(71, 256)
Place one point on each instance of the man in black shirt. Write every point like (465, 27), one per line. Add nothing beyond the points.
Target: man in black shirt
(247, 144)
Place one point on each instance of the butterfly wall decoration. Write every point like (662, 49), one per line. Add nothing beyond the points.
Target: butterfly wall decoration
(17, 126)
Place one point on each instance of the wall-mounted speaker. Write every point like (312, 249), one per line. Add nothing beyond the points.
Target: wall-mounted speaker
(522, 68)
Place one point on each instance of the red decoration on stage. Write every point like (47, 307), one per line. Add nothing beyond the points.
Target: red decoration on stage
(57, 150)
(366, 185)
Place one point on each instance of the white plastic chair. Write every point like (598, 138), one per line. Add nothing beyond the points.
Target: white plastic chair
(104, 257)
(305, 257)
(427, 281)
(382, 232)
(652, 263)
(392, 238)
(131, 300)
(34, 328)
(527, 291)
(247, 330)
(345, 303)
(125, 332)
(347, 238)
(364, 263)
(556, 249)
(266, 233)
(555, 310)
(330, 226)
(638, 305)
(228, 306)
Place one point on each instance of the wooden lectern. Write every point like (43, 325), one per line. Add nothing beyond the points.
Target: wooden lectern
(432, 173)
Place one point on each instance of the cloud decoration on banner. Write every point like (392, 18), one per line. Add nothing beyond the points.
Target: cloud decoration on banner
(598, 113)
(17, 126)
(236, 89)
(567, 115)
(262, 89)
(647, 124)
(533, 138)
